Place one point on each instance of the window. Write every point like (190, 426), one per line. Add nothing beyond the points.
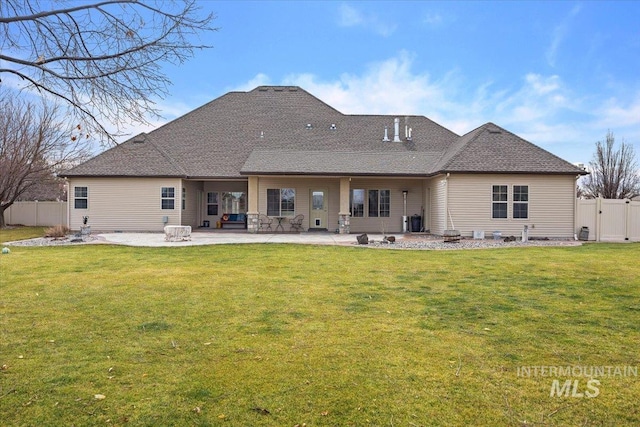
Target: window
(379, 203)
(357, 203)
(168, 197)
(184, 198)
(499, 202)
(212, 203)
(520, 202)
(81, 200)
(281, 201)
(234, 202)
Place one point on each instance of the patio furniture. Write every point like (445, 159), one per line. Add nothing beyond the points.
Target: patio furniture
(264, 222)
(280, 219)
(234, 220)
(296, 223)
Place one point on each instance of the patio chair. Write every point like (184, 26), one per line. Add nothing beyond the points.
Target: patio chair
(265, 222)
(296, 223)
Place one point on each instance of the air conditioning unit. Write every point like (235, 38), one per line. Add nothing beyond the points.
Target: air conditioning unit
(478, 234)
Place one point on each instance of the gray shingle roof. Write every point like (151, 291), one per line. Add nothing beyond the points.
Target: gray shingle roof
(491, 148)
(286, 130)
(402, 163)
(137, 157)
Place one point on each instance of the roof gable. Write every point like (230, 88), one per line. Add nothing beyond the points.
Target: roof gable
(136, 157)
(491, 148)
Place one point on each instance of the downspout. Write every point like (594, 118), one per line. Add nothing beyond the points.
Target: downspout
(66, 184)
(180, 192)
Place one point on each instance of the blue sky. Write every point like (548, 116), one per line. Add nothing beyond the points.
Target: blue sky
(559, 74)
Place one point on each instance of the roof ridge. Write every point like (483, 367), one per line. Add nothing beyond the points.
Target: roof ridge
(456, 151)
(291, 88)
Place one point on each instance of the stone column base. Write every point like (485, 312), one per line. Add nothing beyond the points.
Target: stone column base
(344, 224)
(253, 223)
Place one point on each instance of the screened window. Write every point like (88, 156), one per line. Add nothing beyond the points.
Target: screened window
(357, 203)
(81, 199)
(520, 201)
(499, 202)
(184, 198)
(212, 203)
(168, 195)
(379, 203)
(281, 201)
(234, 202)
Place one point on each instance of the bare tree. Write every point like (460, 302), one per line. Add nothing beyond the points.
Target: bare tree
(34, 145)
(614, 172)
(104, 59)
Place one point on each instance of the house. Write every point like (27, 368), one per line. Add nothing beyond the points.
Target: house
(281, 152)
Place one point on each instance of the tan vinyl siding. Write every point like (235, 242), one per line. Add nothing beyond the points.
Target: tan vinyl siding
(191, 213)
(125, 204)
(551, 204)
(438, 203)
(303, 186)
(393, 223)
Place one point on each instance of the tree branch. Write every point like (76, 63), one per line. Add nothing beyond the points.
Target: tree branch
(104, 65)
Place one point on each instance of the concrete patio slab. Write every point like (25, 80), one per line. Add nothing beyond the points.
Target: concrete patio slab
(209, 238)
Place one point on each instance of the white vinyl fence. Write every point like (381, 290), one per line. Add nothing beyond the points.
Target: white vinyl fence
(609, 220)
(36, 214)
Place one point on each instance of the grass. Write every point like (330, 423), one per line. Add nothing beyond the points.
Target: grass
(12, 234)
(279, 335)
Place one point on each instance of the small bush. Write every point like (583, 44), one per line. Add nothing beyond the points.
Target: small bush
(57, 231)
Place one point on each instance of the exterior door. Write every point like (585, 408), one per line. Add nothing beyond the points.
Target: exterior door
(318, 210)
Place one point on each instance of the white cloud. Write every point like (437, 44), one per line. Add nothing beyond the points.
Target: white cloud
(258, 80)
(387, 87)
(615, 113)
(433, 19)
(349, 16)
(559, 34)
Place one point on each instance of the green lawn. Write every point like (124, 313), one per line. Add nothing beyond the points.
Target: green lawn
(281, 335)
(12, 234)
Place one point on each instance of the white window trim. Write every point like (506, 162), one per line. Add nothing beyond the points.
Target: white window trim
(80, 198)
(513, 202)
(492, 202)
(162, 198)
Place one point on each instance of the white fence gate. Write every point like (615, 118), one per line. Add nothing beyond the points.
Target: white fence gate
(609, 220)
(43, 214)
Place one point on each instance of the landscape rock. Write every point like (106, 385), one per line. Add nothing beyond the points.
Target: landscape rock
(363, 239)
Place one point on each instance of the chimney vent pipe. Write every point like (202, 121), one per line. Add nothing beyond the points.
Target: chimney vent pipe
(396, 130)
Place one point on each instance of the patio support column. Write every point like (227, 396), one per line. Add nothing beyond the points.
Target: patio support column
(343, 214)
(252, 212)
